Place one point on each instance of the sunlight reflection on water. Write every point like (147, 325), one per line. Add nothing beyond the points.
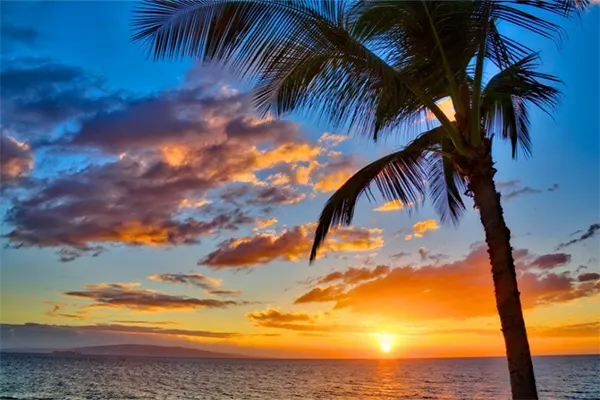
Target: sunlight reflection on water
(48, 377)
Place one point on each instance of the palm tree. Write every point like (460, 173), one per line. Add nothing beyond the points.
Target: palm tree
(376, 67)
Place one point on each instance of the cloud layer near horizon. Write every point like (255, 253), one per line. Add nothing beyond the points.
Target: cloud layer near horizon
(448, 290)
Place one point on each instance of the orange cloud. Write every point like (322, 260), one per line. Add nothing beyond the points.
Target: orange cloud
(289, 245)
(332, 139)
(264, 223)
(459, 289)
(273, 318)
(393, 205)
(421, 227)
(355, 275)
(321, 295)
(333, 181)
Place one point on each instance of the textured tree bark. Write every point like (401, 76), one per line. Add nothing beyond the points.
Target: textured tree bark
(497, 236)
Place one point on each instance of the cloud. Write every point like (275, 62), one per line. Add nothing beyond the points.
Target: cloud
(153, 160)
(354, 275)
(399, 255)
(39, 95)
(321, 295)
(45, 336)
(588, 329)
(177, 117)
(508, 184)
(11, 34)
(289, 245)
(210, 285)
(273, 318)
(225, 292)
(517, 192)
(57, 307)
(421, 227)
(199, 280)
(426, 255)
(333, 175)
(550, 261)
(264, 223)
(591, 232)
(127, 295)
(16, 159)
(588, 276)
(332, 139)
(455, 290)
(248, 194)
(393, 205)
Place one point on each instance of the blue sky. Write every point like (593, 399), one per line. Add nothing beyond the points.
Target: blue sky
(90, 40)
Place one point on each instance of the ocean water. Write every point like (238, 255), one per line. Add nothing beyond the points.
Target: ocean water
(25, 376)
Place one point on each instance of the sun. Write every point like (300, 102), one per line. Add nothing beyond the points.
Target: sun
(386, 341)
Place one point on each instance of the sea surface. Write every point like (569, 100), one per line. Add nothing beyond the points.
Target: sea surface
(26, 376)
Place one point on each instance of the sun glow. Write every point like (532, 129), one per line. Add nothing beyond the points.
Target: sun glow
(386, 341)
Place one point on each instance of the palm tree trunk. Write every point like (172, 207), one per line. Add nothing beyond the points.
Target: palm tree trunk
(497, 236)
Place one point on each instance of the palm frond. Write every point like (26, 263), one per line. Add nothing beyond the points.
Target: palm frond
(398, 176)
(446, 185)
(506, 98)
(526, 14)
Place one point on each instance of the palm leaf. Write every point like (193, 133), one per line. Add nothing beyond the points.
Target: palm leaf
(446, 185)
(399, 176)
(506, 98)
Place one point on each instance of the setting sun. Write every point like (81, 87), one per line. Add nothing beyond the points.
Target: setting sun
(386, 341)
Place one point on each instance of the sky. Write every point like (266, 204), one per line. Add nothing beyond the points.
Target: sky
(145, 202)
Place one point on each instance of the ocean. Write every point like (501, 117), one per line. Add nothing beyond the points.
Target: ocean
(28, 376)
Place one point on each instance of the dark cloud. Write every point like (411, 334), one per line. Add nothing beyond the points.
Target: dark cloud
(198, 280)
(210, 285)
(38, 95)
(261, 195)
(12, 35)
(588, 276)
(514, 191)
(32, 335)
(290, 245)
(127, 295)
(520, 192)
(591, 232)
(549, 261)
(508, 184)
(400, 255)
(225, 292)
(124, 202)
(426, 255)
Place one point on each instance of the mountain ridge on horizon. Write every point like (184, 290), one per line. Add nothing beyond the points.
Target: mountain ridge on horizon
(136, 350)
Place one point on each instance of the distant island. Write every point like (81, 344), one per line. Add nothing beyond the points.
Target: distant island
(136, 350)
